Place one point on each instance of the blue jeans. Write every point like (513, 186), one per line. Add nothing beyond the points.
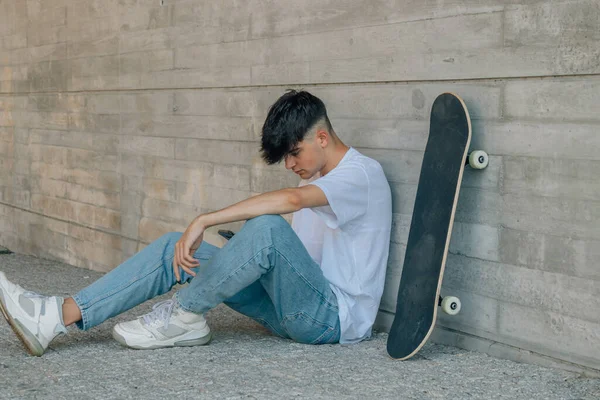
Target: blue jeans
(263, 272)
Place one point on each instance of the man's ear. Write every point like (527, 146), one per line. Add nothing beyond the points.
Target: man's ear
(323, 137)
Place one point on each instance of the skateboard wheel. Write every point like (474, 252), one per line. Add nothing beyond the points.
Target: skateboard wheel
(451, 305)
(478, 159)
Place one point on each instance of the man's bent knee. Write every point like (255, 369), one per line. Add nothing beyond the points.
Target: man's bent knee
(266, 221)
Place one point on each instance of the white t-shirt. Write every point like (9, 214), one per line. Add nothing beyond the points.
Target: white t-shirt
(350, 238)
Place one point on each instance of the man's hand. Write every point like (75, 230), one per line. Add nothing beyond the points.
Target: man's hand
(185, 248)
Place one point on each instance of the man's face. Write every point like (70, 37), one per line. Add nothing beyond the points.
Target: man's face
(306, 159)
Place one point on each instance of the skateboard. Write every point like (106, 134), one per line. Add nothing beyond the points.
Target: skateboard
(431, 226)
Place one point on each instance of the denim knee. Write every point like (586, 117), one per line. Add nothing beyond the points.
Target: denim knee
(266, 221)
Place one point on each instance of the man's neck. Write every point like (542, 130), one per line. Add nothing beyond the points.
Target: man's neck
(336, 156)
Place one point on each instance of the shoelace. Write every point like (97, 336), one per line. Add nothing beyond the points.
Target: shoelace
(161, 312)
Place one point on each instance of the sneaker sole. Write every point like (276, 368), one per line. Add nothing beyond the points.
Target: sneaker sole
(32, 345)
(183, 343)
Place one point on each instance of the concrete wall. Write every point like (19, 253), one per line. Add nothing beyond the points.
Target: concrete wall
(122, 120)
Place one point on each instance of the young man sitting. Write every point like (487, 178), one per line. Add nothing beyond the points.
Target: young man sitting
(319, 280)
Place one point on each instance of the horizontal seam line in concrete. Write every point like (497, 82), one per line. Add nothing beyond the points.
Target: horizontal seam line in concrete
(73, 223)
(500, 9)
(502, 226)
(82, 112)
(313, 84)
(525, 266)
(502, 299)
(226, 42)
(477, 120)
(494, 342)
(48, 195)
(508, 300)
(505, 300)
(403, 149)
(183, 26)
(483, 260)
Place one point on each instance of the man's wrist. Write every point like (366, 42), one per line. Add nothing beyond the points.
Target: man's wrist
(201, 221)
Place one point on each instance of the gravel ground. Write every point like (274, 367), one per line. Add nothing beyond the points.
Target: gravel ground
(245, 361)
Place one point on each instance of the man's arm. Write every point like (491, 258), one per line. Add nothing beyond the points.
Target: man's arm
(282, 201)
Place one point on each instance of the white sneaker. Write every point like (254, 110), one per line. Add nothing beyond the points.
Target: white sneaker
(36, 319)
(167, 325)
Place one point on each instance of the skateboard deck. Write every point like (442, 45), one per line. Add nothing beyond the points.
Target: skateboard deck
(431, 226)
